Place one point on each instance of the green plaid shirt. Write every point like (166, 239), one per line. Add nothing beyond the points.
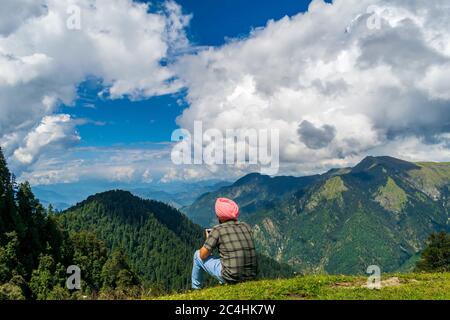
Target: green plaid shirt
(236, 249)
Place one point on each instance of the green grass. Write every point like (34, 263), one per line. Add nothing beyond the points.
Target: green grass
(410, 286)
(431, 175)
(331, 190)
(391, 196)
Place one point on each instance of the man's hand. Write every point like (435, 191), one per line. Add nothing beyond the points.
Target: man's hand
(204, 253)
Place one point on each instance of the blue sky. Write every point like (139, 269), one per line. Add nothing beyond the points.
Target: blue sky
(339, 81)
(216, 20)
(122, 122)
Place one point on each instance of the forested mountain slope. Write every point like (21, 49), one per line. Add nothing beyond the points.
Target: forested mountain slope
(158, 239)
(35, 251)
(379, 212)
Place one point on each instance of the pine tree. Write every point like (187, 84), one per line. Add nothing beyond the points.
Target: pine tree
(46, 281)
(436, 256)
(8, 215)
(117, 273)
(119, 280)
(90, 255)
(32, 226)
(9, 260)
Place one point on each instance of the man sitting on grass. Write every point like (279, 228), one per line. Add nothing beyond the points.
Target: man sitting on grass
(234, 241)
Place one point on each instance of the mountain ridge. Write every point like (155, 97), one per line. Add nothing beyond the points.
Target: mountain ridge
(378, 212)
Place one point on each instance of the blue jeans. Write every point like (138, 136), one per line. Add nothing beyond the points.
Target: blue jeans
(211, 265)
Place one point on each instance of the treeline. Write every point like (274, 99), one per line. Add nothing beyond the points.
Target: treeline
(35, 252)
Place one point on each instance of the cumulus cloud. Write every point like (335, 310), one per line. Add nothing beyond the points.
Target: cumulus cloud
(57, 130)
(358, 76)
(16, 12)
(437, 82)
(42, 61)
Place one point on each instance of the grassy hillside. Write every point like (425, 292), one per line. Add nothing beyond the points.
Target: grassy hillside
(408, 286)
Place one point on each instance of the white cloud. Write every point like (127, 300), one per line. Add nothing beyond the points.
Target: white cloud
(22, 69)
(437, 82)
(139, 164)
(412, 149)
(147, 176)
(186, 174)
(14, 13)
(370, 87)
(56, 130)
(42, 61)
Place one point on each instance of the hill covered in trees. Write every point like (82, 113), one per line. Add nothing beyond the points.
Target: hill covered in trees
(158, 239)
(35, 251)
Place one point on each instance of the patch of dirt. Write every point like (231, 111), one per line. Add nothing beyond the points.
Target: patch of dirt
(297, 296)
(390, 282)
(350, 285)
(343, 284)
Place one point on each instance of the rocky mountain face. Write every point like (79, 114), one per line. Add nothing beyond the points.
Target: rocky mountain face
(379, 212)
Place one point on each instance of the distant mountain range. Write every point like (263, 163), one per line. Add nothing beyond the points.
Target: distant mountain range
(177, 194)
(183, 195)
(379, 212)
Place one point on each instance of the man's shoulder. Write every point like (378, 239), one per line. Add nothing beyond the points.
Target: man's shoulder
(223, 225)
(217, 226)
(244, 224)
(231, 224)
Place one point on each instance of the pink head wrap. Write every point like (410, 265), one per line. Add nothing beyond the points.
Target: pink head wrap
(226, 209)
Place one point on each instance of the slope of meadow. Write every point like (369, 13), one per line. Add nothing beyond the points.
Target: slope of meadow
(408, 286)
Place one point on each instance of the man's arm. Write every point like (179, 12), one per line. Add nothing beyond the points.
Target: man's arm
(210, 243)
(204, 253)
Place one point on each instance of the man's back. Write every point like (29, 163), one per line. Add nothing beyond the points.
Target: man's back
(236, 248)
